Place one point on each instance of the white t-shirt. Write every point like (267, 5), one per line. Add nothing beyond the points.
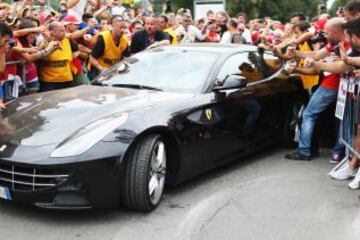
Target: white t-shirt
(226, 37)
(118, 10)
(190, 35)
(247, 35)
(78, 10)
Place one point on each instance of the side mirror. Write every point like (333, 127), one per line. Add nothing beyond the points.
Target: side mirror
(232, 82)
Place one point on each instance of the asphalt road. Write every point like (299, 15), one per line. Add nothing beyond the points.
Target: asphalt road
(261, 197)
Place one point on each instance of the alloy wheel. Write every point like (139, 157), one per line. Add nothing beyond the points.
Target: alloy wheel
(157, 172)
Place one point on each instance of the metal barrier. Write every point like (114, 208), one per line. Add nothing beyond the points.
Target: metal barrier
(22, 64)
(348, 111)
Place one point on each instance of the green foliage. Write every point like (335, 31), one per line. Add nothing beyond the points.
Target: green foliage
(177, 4)
(279, 9)
(336, 5)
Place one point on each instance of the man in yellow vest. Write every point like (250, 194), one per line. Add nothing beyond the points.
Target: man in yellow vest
(56, 69)
(308, 81)
(110, 47)
(167, 25)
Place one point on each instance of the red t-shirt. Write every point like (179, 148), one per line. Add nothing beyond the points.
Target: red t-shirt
(30, 68)
(10, 69)
(78, 65)
(332, 81)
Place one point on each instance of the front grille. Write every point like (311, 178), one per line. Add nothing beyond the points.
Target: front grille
(22, 178)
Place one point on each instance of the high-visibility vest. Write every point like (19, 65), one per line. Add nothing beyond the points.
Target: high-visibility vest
(172, 35)
(308, 80)
(57, 66)
(112, 53)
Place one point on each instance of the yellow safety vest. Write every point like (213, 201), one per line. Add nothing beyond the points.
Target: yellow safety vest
(172, 34)
(57, 66)
(308, 80)
(112, 53)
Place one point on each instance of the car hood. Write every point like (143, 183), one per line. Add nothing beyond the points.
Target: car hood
(49, 118)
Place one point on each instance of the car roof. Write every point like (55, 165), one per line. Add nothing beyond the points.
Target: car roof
(214, 47)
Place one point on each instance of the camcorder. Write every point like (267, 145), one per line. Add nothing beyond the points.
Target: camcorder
(319, 38)
(12, 43)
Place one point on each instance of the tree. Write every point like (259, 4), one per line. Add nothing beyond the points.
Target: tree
(183, 4)
(280, 9)
(336, 5)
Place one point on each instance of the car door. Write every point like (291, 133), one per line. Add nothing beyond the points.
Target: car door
(252, 113)
(230, 122)
(242, 110)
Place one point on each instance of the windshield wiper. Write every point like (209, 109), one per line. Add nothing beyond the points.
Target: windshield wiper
(136, 86)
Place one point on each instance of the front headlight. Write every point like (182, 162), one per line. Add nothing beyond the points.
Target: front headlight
(88, 136)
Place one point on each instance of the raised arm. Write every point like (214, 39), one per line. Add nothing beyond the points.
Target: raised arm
(338, 67)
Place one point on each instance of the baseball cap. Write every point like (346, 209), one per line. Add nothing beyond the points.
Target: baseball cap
(44, 16)
(11, 20)
(71, 19)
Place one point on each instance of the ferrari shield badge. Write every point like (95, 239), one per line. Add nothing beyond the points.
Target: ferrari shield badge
(3, 147)
(208, 114)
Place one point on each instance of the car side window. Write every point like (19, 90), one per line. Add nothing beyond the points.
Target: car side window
(231, 66)
(252, 66)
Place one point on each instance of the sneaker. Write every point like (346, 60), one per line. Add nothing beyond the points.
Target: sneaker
(355, 183)
(335, 159)
(297, 156)
(343, 173)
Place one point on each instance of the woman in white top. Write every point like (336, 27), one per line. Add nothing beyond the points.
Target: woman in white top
(232, 25)
(77, 7)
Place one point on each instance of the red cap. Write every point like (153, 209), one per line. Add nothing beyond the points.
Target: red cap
(281, 27)
(71, 19)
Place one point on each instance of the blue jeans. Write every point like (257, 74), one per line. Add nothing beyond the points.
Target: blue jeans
(318, 103)
(1, 92)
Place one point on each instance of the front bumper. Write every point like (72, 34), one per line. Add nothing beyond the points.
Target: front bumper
(81, 185)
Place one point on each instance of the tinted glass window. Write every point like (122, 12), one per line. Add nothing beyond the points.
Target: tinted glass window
(251, 65)
(169, 70)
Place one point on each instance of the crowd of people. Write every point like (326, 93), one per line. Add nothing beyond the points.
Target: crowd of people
(74, 44)
(328, 61)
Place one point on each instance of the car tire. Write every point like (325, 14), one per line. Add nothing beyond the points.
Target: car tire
(292, 124)
(144, 176)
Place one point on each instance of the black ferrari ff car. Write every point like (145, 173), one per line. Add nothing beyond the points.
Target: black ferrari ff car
(159, 117)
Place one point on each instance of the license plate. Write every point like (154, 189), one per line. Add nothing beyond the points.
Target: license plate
(5, 193)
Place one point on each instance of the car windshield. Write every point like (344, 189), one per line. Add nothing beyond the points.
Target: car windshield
(170, 70)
